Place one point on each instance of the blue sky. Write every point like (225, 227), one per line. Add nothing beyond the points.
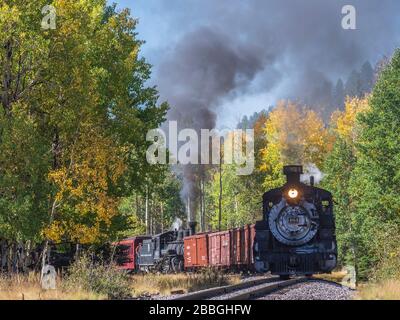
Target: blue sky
(299, 44)
(160, 24)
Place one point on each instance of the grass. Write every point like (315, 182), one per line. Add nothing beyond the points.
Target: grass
(153, 284)
(336, 276)
(27, 287)
(377, 290)
(382, 290)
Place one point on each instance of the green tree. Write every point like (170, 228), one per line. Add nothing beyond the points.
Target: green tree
(25, 158)
(338, 95)
(376, 180)
(366, 78)
(76, 110)
(353, 84)
(338, 169)
(241, 195)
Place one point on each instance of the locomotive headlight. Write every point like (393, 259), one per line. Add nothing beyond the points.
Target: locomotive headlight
(293, 193)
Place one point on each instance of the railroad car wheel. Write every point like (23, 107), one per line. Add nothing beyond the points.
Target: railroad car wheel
(181, 266)
(166, 266)
(177, 264)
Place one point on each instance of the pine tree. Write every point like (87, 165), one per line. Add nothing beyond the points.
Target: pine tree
(338, 95)
(353, 85)
(366, 78)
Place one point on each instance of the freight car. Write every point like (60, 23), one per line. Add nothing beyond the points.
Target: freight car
(231, 249)
(295, 237)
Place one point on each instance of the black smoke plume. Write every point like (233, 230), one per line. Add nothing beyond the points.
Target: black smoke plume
(234, 47)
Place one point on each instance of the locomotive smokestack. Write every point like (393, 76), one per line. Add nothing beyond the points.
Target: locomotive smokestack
(192, 227)
(312, 181)
(190, 223)
(293, 174)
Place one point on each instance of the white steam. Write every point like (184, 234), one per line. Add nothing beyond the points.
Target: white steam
(311, 170)
(177, 224)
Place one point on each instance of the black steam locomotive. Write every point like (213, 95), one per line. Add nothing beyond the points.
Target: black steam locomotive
(165, 251)
(295, 237)
(297, 234)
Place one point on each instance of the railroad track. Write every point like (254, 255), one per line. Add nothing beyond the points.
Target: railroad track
(242, 291)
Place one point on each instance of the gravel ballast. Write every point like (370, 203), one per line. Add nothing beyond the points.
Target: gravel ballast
(312, 290)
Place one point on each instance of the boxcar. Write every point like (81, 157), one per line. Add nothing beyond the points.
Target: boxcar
(226, 249)
(196, 251)
(219, 249)
(242, 240)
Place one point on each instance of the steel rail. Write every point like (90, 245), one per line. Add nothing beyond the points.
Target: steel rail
(263, 285)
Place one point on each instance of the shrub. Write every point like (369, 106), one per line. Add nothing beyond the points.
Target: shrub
(98, 277)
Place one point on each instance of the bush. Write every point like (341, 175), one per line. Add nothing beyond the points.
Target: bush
(213, 276)
(98, 277)
(387, 244)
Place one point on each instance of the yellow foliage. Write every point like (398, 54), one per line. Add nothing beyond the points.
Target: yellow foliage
(294, 135)
(83, 188)
(345, 122)
(54, 231)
